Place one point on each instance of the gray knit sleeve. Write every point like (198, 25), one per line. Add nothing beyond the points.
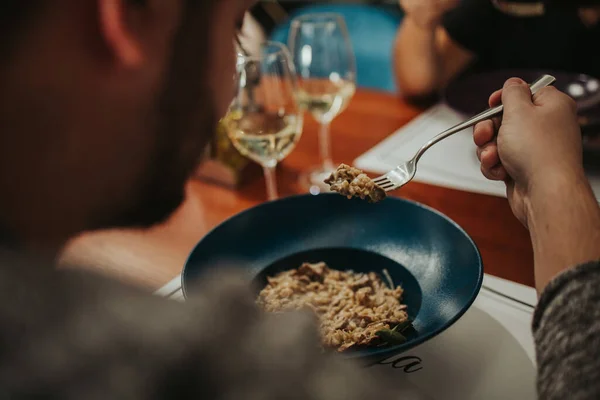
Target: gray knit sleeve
(566, 328)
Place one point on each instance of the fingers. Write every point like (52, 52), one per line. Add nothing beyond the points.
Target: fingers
(484, 136)
(498, 173)
(487, 151)
(551, 94)
(544, 95)
(516, 95)
(488, 155)
(495, 98)
(484, 132)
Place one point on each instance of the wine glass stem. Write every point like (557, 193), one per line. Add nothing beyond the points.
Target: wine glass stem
(271, 181)
(325, 146)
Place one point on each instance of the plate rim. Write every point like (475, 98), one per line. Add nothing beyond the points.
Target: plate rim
(384, 352)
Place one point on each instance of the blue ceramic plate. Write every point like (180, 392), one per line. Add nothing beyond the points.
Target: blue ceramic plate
(430, 256)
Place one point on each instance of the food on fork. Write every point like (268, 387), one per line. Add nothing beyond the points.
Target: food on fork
(352, 182)
(355, 310)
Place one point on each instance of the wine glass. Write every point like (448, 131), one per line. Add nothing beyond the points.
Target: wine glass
(326, 69)
(264, 121)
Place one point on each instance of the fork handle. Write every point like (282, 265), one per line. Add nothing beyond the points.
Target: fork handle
(541, 82)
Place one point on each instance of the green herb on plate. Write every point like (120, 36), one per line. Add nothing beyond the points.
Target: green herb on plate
(395, 336)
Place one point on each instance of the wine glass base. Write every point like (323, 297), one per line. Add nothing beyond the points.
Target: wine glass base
(313, 181)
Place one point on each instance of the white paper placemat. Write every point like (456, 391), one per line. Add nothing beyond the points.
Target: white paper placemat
(488, 354)
(452, 163)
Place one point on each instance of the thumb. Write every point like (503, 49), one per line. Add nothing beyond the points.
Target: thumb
(516, 95)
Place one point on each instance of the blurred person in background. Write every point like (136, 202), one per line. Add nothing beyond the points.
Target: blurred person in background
(104, 108)
(269, 14)
(441, 39)
(252, 35)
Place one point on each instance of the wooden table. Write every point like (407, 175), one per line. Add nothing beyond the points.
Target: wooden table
(152, 258)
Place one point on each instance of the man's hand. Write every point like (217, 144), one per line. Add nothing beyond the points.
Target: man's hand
(536, 149)
(427, 14)
(536, 145)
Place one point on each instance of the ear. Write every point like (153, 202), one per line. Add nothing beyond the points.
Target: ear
(121, 37)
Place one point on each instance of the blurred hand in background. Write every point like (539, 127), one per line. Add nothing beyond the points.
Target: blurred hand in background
(427, 14)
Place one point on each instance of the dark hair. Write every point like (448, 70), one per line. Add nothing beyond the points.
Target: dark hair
(14, 17)
(12, 12)
(17, 15)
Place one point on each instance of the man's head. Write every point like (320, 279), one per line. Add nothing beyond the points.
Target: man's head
(105, 107)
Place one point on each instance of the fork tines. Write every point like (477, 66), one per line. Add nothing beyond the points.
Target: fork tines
(384, 183)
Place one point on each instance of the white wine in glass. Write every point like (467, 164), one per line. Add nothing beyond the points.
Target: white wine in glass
(264, 121)
(263, 137)
(325, 99)
(326, 68)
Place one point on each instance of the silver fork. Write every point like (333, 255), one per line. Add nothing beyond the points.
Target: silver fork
(404, 173)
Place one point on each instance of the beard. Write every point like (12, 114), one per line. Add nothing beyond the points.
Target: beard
(185, 118)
